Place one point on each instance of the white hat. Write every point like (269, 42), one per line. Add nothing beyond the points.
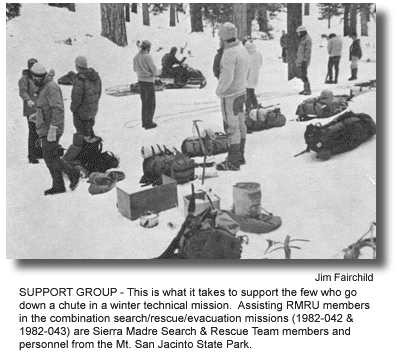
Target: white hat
(38, 70)
(227, 31)
(250, 46)
(81, 62)
(301, 29)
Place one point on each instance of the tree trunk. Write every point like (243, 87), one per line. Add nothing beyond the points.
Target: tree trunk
(134, 8)
(72, 7)
(145, 13)
(307, 9)
(364, 19)
(196, 19)
(329, 19)
(262, 18)
(346, 22)
(250, 16)
(127, 12)
(294, 20)
(113, 23)
(172, 15)
(353, 18)
(240, 19)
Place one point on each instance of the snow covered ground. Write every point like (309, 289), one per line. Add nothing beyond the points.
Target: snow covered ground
(331, 203)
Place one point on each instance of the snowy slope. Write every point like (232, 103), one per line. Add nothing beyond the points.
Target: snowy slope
(329, 203)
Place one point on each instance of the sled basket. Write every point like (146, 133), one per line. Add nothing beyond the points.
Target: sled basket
(122, 90)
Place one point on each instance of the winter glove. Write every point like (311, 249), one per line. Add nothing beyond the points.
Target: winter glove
(31, 104)
(33, 117)
(52, 134)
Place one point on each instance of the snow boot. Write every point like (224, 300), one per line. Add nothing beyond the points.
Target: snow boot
(354, 74)
(329, 79)
(232, 162)
(242, 150)
(307, 90)
(152, 125)
(55, 190)
(336, 75)
(74, 179)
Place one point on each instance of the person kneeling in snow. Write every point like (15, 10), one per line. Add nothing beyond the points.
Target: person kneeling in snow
(50, 121)
(231, 90)
(86, 92)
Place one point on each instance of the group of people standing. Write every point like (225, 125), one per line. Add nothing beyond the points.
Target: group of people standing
(45, 113)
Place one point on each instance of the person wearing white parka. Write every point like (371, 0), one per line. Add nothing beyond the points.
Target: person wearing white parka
(256, 61)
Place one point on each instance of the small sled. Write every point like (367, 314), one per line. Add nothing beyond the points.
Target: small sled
(131, 89)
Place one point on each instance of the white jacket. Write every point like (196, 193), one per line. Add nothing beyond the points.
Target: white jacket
(255, 64)
(234, 70)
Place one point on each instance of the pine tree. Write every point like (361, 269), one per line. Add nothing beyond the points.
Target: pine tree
(145, 14)
(240, 19)
(353, 18)
(346, 19)
(113, 23)
(329, 10)
(172, 15)
(196, 19)
(294, 20)
(217, 14)
(12, 11)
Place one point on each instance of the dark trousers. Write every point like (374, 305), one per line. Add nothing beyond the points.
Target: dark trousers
(84, 127)
(34, 150)
(148, 98)
(333, 62)
(250, 101)
(55, 164)
(284, 53)
(303, 72)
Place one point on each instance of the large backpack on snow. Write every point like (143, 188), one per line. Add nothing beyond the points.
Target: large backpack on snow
(342, 134)
(89, 156)
(175, 165)
(214, 144)
(264, 119)
(326, 105)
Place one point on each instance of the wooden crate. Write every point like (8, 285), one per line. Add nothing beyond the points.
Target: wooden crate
(156, 199)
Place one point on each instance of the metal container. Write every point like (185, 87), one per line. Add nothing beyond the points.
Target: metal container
(149, 219)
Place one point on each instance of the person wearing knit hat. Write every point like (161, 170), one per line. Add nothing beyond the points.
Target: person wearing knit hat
(303, 56)
(86, 92)
(146, 72)
(50, 122)
(28, 93)
(231, 89)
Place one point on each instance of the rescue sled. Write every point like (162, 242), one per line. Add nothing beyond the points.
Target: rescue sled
(130, 89)
(189, 76)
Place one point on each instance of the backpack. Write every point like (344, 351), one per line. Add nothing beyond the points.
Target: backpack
(264, 119)
(191, 146)
(175, 165)
(324, 106)
(90, 157)
(342, 134)
(211, 235)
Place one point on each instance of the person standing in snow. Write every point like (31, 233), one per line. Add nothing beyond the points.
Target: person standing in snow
(146, 72)
(50, 121)
(355, 55)
(86, 92)
(253, 77)
(231, 90)
(216, 66)
(28, 93)
(334, 48)
(171, 65)
(283, 44)
(303, 58)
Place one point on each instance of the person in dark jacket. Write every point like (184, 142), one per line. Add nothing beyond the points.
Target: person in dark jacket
(216, 67)
(355, 55)
(86, 92)
(303, 57)
(50, 120)
(283, 44)
(28, 93)
(146, 72)
(171, 66)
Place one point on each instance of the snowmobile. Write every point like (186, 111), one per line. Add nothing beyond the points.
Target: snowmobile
(187, 76)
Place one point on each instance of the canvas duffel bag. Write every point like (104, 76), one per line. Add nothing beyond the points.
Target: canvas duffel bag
(214, 144)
